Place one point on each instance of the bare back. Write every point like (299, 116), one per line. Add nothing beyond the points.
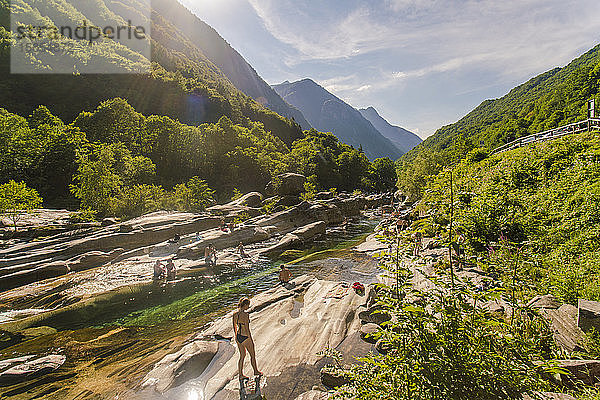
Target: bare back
(241, 321)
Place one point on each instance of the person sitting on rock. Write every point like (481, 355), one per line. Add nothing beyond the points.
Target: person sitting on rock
(159, 270)
(171, 270)
(224, 227)
(284, 274)
(243, 337)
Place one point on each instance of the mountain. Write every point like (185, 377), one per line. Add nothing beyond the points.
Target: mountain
(402, 138)
(327, 113)
(183, 82)
(228, 60)
(549, 100)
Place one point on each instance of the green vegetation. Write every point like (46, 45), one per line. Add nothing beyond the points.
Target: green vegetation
(329, 163)
(442, 347)
(552, 99)
(16, 197)
(183, 83)
(540, 204)
(119, 162)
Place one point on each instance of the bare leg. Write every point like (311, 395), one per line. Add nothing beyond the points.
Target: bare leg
(242, 350)
(252, 353)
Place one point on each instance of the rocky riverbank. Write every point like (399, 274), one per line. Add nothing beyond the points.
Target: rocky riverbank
(290, 326)
(56, 287)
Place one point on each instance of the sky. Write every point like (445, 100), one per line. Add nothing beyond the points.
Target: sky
(421, 63)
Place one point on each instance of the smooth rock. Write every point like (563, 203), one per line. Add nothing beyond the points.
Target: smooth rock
(546, 301)
(288, 184)
(31, 369)
(108, 222)
(588, 315)
(285, 336)
(366, 332)
(38, 331)
(183, 365)
(332, 380)
(5, 364)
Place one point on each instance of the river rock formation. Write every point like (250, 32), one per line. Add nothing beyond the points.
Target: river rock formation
(290, 326)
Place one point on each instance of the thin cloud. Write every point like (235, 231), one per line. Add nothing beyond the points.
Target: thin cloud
(382, 50)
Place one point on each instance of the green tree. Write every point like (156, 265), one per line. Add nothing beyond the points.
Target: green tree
(103, 172)
(352, 166)
(382, 175)
(194, 196)
(16, 198)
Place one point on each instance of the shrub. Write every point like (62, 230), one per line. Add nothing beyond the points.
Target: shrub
(16, 198)
(194, 196)
(442, 347)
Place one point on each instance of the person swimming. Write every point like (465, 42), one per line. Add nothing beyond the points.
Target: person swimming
(243, 337)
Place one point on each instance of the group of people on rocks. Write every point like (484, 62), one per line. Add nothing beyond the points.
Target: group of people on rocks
(168, 271)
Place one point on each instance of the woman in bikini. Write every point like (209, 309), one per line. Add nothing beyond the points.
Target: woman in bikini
(243, 337)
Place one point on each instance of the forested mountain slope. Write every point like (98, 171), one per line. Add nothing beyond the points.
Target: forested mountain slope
(229, 61)
(549, 100)
(184, 83)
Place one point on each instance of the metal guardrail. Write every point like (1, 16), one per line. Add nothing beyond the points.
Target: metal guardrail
(551, 134)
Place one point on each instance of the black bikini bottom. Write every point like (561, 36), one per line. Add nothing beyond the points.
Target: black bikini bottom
(240, 338)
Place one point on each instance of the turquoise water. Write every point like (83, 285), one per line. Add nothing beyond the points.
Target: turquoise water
(204, 291)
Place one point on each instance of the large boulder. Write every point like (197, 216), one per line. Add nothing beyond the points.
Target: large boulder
(297, 237)
(563, 322)
(586, 371)
(252, 199)
(588, 315)
(288, 184)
